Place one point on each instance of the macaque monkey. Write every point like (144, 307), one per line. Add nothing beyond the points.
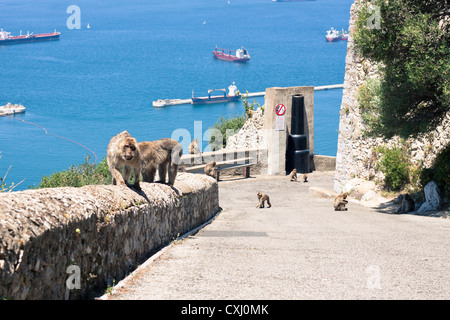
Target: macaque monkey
(123, 151)
(211, 170)
(164, 155)
(194, 148)
(262, 198)
(340, 202)
(406, 204)
(293, 175)
(305, 178)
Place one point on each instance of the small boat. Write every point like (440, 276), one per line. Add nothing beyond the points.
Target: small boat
(231, 96)
(344, 35)
(11, 109)
(332, 35)
(241, 55)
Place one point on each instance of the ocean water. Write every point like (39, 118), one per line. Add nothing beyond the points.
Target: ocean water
(93, 83)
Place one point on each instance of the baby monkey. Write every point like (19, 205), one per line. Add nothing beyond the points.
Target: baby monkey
(263, 198)
(293, 175)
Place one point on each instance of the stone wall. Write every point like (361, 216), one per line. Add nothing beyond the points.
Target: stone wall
(104, 231)
(355, 156)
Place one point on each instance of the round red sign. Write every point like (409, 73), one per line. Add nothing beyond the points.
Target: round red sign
(280, 109)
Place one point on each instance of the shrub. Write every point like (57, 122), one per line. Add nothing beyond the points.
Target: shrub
(78, 176)
(395, 165)
(224, 128)
(249, 106)
(368, 96)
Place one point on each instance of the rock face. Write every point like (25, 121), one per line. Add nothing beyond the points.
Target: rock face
(100, 231)
(355, 156)
(433, 198)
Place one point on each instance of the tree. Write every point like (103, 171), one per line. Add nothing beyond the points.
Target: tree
(411, 45)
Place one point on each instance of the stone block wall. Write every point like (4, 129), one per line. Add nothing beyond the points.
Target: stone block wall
(104, 231)
(355, 156)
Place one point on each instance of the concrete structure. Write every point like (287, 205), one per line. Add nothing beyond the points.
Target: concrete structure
(277, 139)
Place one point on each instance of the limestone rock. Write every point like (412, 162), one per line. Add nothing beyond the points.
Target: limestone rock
(432, 196)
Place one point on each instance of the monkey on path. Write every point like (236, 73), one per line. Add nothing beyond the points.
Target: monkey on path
(194, 148)
(262, 198)
(293, 175)
(406, 204)
(123, 152)
(164, 155)
(211, 170)
(340, 202)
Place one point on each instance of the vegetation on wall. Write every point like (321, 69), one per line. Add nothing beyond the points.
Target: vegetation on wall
(223, 128)
(78, 176)
(409, 39)
(226, 127)
(395, 166)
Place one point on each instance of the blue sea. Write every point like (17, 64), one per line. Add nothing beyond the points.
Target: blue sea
(95, 82)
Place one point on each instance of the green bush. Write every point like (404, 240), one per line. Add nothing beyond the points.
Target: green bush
(394, 164)
(78, 176)
(368, 96)
(223, 128)
(414, 63)
(249, 106)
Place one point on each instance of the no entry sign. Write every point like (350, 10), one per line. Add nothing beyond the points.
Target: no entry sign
(280, 109)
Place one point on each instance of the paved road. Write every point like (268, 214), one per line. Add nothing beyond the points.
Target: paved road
(300, 249)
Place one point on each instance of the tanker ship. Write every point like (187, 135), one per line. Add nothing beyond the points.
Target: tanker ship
(241, 55)
(6, 38)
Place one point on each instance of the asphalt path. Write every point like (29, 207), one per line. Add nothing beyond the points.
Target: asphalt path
(300, 248)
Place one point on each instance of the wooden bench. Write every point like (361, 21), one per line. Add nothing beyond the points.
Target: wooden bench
(244, 163)
(245, 166)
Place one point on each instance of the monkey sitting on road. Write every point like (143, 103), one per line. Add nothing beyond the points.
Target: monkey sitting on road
(406, 204)
(123, 152)
(164, 155)
(293, 175)
(211, 170)
(262, 198)
(194, 148)
(340, 202)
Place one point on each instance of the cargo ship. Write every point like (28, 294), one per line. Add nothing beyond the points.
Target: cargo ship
(231, 96)
(241, 55)
(6, 38)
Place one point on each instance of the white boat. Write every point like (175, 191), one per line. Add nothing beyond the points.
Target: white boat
(332, 35)
(11, 109)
